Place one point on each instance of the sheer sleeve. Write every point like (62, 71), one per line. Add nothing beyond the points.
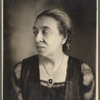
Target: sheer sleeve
(88, 82)
(16, 82)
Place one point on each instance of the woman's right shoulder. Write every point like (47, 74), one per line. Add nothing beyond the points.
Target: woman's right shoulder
(17, 70)
(18, 66)
(30, 59)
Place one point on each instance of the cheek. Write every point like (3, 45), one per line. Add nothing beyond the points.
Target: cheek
(55, 40)
(54, 43)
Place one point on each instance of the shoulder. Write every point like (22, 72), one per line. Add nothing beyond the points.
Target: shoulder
(31, 58)
(17, 69)
(75, 64)
(88, 82)
(80, 64)
(85, 68)
(75, 60)
(87, 74)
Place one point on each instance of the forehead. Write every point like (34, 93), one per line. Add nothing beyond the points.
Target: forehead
(46, 21)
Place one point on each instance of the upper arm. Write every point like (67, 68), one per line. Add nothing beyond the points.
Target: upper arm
(87, 74)
(88, 81)
(16, 81)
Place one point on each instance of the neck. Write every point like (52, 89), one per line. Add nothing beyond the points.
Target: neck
(53, 59)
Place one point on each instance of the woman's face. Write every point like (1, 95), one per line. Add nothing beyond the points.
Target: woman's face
(47, 37)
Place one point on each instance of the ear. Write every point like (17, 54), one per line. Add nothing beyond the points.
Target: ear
(64, 39)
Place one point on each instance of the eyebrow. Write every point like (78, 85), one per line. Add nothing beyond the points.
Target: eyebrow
(45, 27)
(34, 27)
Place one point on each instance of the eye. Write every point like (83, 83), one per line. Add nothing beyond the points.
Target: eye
(44, 32)
(35, 31)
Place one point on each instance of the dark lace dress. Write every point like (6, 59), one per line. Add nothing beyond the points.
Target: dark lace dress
(56, 92)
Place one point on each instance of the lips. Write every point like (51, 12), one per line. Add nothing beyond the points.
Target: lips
(40, 47)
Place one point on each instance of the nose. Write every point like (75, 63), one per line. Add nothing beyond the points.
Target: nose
(39, 37)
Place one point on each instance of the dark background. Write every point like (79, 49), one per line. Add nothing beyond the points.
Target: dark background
(19, 16)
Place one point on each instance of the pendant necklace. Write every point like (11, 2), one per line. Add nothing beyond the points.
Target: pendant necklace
(50, 80)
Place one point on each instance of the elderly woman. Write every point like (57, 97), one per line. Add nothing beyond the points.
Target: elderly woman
(52, 75)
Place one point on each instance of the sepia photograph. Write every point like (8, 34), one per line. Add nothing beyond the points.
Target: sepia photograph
(49, 50)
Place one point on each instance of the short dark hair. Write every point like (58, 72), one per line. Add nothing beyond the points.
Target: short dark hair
(64, 23)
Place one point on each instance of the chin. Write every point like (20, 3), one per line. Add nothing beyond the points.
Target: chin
(42, 54)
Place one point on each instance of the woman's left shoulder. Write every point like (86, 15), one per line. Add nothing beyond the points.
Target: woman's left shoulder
(88, 81)
(75, 60)
(85, 68)
(87, 74)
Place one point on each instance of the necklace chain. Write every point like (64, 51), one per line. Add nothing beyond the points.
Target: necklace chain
(51, 81)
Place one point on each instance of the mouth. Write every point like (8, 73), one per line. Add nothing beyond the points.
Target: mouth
(40, 47)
